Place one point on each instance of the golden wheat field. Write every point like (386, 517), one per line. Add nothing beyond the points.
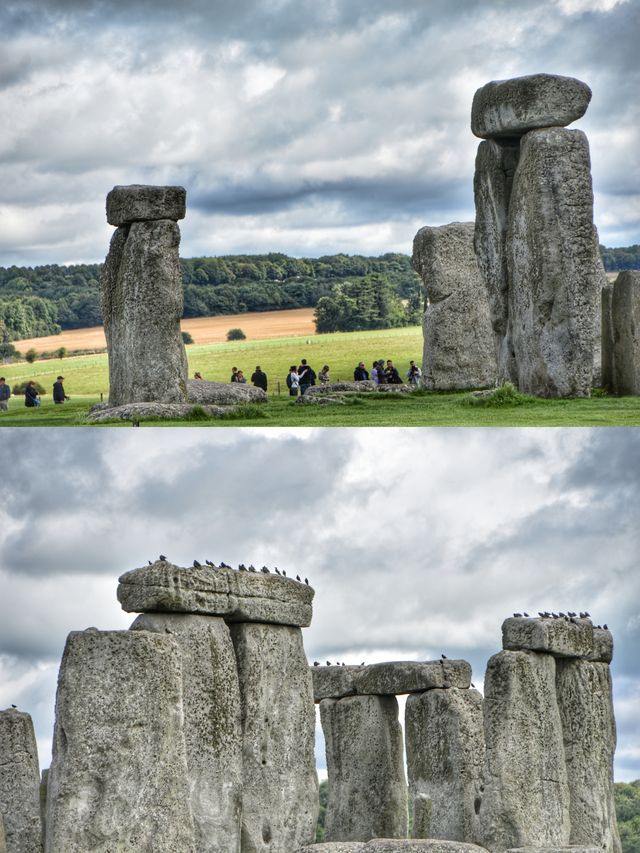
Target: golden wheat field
(203, 330)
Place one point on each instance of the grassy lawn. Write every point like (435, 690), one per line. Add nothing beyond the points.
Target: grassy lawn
(86, 377)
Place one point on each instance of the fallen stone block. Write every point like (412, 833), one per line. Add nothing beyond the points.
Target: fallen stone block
(119, 779)
(589, 730)
(445, 753)
(625, 318)
(223, 393)
(212, 728)
(367, 795)
(139, 202)
(19, 783)
(513, 107)
(398, 677)
(556, 636)
(237, 596)
(280, 792)
(102, 412)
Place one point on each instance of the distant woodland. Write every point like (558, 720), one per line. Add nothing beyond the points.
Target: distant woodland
(348, 291)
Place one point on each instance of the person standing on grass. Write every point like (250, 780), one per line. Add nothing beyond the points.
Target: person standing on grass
(58, 391)
(323, 376)
(259, 378)
(234, 373)
(31, 398)
(360, 374)
(414, 373)
(307, 376)
(391, 374)
(241, 378)
(293, 381)
(5, 393)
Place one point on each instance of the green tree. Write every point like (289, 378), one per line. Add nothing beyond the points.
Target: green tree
(30, 355)
(236, 335)
(187, 338)
(61, 352)
(627, 800)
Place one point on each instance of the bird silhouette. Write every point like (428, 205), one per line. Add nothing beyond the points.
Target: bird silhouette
(150, 563)
(518, 615)
(265, 570)
(306, 580)
(196, 565)
(162, 557)
(252, 568)
(316, 663)
(524, 613)
(444, 657)
(328, 663)
(242, 567)
(284, 574)
(209, 563)
(14, 706)
(277, 570)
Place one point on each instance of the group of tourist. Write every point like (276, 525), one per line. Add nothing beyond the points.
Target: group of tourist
(31, 396)
(386, 374)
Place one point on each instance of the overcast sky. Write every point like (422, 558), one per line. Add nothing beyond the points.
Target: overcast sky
(417, 542)
(298, 126)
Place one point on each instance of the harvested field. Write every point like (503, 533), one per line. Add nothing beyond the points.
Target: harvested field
(204, 330)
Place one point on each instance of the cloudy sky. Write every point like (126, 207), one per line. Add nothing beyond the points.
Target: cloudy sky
(417, 542)
(295, 125)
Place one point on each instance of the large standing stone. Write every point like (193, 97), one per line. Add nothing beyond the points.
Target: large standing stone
(118, 780)
(588, 725)
(625, 315)
(367, 786)
(608, 372)
(211, 701)
(142, 300)
(526, 794)
(555, 269)
(458, 339)
(513, 107)
(19, 783)
(280, 799)
(445, 753)
(496, 163)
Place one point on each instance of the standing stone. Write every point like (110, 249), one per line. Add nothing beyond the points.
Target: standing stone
(211, 701)
(280, 798)
(19, 783)
(588, 726)
(43, 805)
(367, 795)
(526, 795)
(555, 269)
(118, 779)
(445, 753)
(608, 370)
(3, 838)
(493, 179)
(458, 340)
(625, 315)
(142, 299)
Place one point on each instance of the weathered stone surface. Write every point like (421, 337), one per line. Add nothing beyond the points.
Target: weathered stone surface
(513, 107)
(557, 636)
(333, 682)
(387, 845)
(422, 814)
(554, 266)
(212, 729)
(142, 300)
(3, 838)
(602, 646)
(526, 794)
(589, 730)
(102, 412)
(238, 596)
(334, 847)
(625, 318)
(223, 393)
(445, 753)
(606, 319)
(280, 797)
(118, 780)
(493, 179)
(367, 795)
(43, 804)
(139, 202)
(458, 339)
(569, 849)
(19, 783)
(411, 676)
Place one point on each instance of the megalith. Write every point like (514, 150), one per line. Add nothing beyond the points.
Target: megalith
(607, 369)
(445, 753)
(20, 825)
(142, 296)
(589, 731)
(458, 338)
(625, 320)
(211, 702)
(525, 801)
(367, 795)
(280, 793)
(3, 837)
(119, 779)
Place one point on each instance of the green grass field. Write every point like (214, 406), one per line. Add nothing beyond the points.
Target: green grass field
(86, 378)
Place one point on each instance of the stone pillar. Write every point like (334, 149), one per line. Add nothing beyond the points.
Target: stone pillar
(445, 752)
(118, 779)
(43, 805)
(280, 796)
(525, 802)
(625, 313)
(3, 838)
(211, 702)
(367, 787)
(589, 730)
(19, 783)
(142, 296)
(607, 365)
(458, 339)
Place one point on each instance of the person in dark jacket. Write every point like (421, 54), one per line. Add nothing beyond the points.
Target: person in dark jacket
(391, 374)
(58, 391)
(307, 376)
(360, 374)
(31, 398)
(259, 378)
(5, 393)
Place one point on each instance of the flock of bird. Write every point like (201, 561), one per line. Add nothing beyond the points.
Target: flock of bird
(241, 568)
(569, 616)
(328, 663)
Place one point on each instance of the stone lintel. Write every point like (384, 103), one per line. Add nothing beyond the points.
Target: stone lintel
(389, 679)
(560, 637)
(237, 596)
(140, 202)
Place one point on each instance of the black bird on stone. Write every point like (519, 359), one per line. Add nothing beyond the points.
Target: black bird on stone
(444, 657)
(518, 615)
(316, 663)
(162, 557)
(284, 574)
(306, 580)
(298, 578)
(209, 563)
(197, 565)
(265, 570)
(150, 563)
(242, 567)
(277, 570)
(524, 613)
(252, 568)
